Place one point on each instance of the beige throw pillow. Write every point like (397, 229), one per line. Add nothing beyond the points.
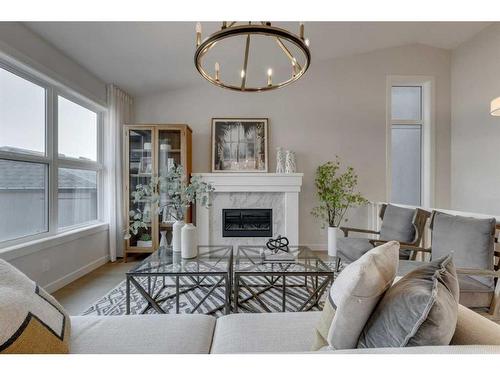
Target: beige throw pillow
(31, 321)
(354, 295)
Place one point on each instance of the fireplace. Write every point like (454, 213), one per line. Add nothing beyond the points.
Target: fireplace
(247, 222)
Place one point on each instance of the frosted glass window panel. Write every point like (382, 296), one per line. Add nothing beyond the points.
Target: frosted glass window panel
(407, 103)
(406, 156)
(22, 115)
(23, 199)
(77, 130)
(77, 197)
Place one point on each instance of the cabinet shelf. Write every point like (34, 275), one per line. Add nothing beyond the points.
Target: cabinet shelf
(136, 159)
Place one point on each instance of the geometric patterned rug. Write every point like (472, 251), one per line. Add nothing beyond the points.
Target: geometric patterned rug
(114, 302)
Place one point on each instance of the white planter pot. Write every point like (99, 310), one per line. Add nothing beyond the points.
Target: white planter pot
(177, 236)
(189, 243)
(144, 243)
(333, 234)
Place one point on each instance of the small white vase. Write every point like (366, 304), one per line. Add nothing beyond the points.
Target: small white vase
(189, 243)
(280, 160)
(177, 236)
(290, 162)
(333, 233)
(163, 240)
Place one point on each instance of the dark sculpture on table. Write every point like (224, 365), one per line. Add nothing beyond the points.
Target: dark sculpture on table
(278, 244)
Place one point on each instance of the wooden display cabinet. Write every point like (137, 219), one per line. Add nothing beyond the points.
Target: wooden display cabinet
(150, 150)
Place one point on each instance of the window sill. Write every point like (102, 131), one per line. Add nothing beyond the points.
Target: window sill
(26, 248)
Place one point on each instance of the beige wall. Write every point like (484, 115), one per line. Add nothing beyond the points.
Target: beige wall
(475, 135)
(339, 107)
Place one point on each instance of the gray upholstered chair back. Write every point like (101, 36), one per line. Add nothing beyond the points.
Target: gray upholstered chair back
(471, 240)
(397, 224)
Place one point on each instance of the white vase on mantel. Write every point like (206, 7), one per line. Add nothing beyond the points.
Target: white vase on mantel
(189, 243)
(333, 234)
(177, 236)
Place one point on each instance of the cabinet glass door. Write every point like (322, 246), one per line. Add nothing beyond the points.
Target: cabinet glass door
(169, 156)
(140, 173)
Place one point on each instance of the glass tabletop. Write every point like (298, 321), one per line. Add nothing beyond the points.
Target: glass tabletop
(258, 259)
(210, 259)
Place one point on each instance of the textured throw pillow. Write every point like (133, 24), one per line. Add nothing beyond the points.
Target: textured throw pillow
(419, 310)
(31, 321)
(353, 296)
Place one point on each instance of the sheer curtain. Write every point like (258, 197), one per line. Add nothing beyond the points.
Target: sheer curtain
(120, 111)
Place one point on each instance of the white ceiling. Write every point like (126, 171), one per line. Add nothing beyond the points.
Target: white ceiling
(145, 57)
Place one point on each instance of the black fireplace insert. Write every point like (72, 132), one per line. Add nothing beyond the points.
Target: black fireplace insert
(247, 222)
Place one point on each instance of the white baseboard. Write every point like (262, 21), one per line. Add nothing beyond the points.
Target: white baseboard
(72, 276)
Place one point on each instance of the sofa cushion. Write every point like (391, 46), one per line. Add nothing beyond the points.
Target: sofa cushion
(130, 334)
(31, 320)
(352, 248)
(398, 224)
(420, 309)
(471, 241)
(353, 296)
(265, 333)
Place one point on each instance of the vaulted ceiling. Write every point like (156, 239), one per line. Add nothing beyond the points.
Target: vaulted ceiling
(145, 57)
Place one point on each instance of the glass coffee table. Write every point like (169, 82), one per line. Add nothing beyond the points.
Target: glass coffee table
(292, 285)
(164, 277)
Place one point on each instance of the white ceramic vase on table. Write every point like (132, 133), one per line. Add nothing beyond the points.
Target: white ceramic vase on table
(177, 236)
(333, 234)
(189, 242)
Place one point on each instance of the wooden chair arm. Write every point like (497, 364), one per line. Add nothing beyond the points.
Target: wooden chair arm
(477, 272)
(346, 231)
(403, 246)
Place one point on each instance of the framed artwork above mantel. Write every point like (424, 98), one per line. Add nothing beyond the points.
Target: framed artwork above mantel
(240, 145)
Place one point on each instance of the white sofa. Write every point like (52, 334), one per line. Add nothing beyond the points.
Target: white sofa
(247, 333)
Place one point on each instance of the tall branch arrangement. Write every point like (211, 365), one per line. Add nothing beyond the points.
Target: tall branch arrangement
(170, 193)
(336, 192)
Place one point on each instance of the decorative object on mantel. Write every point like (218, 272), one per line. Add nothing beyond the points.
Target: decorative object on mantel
(189, 242)
(239, 145)
(180, 194)
(280, 160)
(290, 164)
(294, 47)
(279, 243)
(336, 195)
(495, 107)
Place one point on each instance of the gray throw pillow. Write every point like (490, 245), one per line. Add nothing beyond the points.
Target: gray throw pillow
(420, 309)
(353, 296)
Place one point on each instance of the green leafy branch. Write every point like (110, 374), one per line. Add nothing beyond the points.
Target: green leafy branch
(336, 192)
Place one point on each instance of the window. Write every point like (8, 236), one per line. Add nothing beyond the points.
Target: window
(22, 115)
(45, 186)
(409, 148)
(77, 130)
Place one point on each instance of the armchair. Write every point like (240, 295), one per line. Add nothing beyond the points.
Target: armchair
(472, 242)
(405, 225)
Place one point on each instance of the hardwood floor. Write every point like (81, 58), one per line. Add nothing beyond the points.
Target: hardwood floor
(77, 296)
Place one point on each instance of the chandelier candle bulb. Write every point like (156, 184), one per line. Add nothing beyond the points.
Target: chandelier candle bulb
(269, 77)
(242, 74)
(217, 70)
(301, 30)
(198, 34)
(307, 42)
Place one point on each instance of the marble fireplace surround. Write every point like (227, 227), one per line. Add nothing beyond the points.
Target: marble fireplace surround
(250, 190)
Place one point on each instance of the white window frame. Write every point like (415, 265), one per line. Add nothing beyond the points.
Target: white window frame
(52, 159)
(426, 83)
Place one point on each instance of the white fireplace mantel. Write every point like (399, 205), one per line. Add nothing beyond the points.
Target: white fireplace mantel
(288, 184)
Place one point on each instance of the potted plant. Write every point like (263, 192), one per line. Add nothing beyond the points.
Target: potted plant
(336, 193)
(145, 240)
(171, 193)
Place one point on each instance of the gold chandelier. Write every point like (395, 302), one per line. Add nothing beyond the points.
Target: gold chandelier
(295, 48)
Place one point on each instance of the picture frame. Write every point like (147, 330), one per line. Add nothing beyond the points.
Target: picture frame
(240, 145)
